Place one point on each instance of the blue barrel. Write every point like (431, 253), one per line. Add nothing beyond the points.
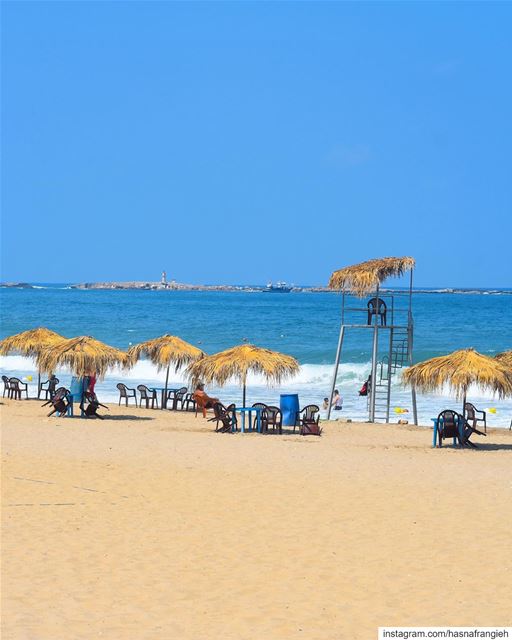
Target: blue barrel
(77, 388)
(289, 406)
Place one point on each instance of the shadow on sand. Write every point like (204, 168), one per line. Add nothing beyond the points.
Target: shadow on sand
(493, 447)
(106, 416)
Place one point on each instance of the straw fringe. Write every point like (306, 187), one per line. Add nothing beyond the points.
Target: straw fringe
(505, 358)
(363, 278)
(459, 370)
(83, 355)
(164, 351)
(30, 343)
(238, 361)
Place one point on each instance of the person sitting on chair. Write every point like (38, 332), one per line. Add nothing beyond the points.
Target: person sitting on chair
(203, 400)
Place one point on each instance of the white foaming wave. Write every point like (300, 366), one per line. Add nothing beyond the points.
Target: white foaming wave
(312, 383)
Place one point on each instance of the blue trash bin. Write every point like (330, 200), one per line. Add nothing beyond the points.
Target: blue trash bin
(77, 388)
(289, 406)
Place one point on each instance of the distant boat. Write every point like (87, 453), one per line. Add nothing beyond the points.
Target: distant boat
(278, 287)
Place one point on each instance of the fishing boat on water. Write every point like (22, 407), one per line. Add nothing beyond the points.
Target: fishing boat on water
(278, 287)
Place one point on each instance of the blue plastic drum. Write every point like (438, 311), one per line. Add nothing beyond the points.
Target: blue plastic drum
(289, 406)
(77, 387)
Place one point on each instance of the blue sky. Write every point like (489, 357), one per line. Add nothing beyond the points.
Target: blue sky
(240, 142)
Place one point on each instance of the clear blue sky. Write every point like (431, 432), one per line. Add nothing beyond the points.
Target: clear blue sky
(237, 142)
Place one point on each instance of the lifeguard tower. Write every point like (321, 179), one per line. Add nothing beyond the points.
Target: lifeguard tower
(388, 315)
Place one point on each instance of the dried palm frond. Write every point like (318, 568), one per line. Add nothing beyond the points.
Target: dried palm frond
(459, 370)
(30, 343)
(83, 355)
(166, 350)
(238, 361)
(363, 278)
(505, 358)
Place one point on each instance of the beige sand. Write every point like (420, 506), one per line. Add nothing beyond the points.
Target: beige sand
(148, 525)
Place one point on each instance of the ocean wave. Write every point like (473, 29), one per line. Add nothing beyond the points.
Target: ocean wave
(312, 383)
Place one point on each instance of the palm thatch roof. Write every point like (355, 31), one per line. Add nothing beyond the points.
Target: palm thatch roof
(30, 343)
(459, 370)
(166, 350)
(363, 278)
(505, 358)
(83, 355)
(238, 361)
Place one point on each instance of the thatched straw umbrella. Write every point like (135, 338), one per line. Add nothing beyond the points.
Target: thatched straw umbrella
(31, 344)
(505, 358)
(459, 370)
(365, 277)
(83, 355)
(165, 351)
(238, 361)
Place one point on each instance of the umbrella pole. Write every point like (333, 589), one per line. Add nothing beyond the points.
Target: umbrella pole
(164, 399)
(244, 394)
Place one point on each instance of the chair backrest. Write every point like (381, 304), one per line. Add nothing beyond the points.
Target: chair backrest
(231, 413)
(52, 383)
(181, 392)
(448, 423)
(219, 411)
(376, 305)
(61, 393)
(15, 383)
(5, 380)
(144, 391)
(259, 405)
(274, 414)
(309, 411)
(122, 389)
(470, 410)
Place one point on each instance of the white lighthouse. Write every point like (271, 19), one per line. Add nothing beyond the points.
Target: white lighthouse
(164, 279)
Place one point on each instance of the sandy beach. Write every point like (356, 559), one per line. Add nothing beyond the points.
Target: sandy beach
(150, 525)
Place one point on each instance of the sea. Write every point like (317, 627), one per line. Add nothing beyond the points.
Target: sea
(302, 324)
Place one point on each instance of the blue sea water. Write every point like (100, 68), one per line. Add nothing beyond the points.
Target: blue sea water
(305, 325)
